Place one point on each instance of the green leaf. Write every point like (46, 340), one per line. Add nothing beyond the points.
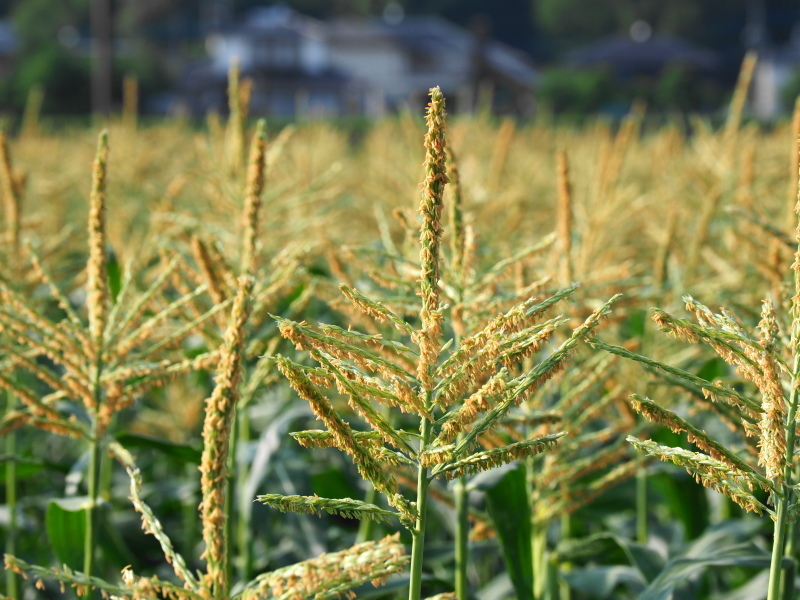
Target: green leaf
(332, 483)
(28, 467)
(509, 509)
(65, 522)
(114, 550)
(755, 589)
(714, 369)
(184, 452)
(685, 500)
(114, 273)
(602, 582)
(635, 323)
(610, 548)
(678, 570)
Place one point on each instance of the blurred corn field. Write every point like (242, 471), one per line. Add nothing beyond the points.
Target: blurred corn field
(466, 346)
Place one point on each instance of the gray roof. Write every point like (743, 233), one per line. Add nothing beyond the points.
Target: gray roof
(629, 57)
(434, 35)
(280, 18)
(8, 39)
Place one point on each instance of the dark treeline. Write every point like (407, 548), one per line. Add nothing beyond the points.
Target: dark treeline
(155, 38)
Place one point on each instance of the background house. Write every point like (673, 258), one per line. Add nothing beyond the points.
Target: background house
(287, 57)
(776, 81)
(301, 65)
(402, 61)
(8, 48)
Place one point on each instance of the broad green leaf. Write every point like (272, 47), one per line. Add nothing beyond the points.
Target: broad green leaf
(486, 480)
(685, 500)
(115, 551)
(602, 582)
(755, 589)
(678, 570)
(65, 522)
(509, 509)
(184, 452)
(114, 273)
(611, 549)
(498, 588)
(726, 534)
(578, 550)
(25, 469)
(715, 368)
(648, 561)
(332, 483)
(635, 323)
(29, 466)
(396, 586)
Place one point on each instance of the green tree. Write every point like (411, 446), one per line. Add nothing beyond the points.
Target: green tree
(43, 60)
(580, 21)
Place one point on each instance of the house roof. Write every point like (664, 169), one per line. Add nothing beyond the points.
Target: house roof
(788, 54)
(277, 19)
(8, 39)
(629, 57)
(434, 35)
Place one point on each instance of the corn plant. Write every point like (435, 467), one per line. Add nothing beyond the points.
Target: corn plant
(274, 278)
(412, 379)
(324, 577)
(101, 366)
(764, 459)
(475, 293)
(13, 205)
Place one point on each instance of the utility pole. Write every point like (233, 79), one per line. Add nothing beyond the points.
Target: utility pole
(101, 53)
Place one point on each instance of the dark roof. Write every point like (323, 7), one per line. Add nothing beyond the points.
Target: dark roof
(628, 57)
(279, 18)
(8, 39)
(433, 35)
(788, 54)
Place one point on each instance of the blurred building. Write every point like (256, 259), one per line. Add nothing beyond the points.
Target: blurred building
(8, 48)
(642, 54)
(303, 66)
(777, 69)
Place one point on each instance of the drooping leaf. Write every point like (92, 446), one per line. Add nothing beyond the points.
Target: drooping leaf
(602, 582)
(332, 483)
(65, 522)
(679, 569)
(755, 589)
(499, 588)
(114, 549)
(114, 273)
(508, 507)
(30, 467)
(685, 500)
(714, 369)
(184, 452)
(610, 549)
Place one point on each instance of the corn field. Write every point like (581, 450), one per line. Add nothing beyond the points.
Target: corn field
(436, 361)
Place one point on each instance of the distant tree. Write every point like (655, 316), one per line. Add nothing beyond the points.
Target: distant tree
(584, 20)
(510, 21)
(43, 59)
(576, 91)
(680, 89)
(133, 14)
(321, 9)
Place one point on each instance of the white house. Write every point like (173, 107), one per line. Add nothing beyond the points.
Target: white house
(775, 68)
(300, 64)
